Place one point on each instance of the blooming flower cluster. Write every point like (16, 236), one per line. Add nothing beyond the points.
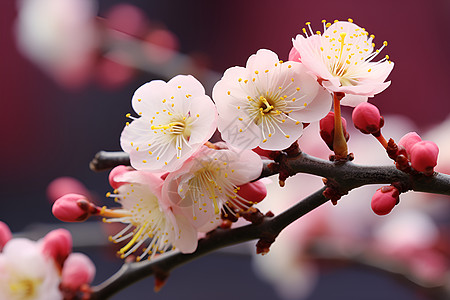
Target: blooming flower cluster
(42, 270)
(180, 184)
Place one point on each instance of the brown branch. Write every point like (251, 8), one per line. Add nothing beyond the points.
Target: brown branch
(219, 238)
(347, 175)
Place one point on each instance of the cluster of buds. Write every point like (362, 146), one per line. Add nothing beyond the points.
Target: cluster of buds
(413, 152)
(46, 269)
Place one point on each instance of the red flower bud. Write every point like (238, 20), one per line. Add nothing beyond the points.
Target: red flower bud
(327, 129)
(73, 208)
(424, 156)
(366, 117)
(5, 234)
(78, 270)
(253, 191)
(409, 140)
(57, 244)
(384, 200)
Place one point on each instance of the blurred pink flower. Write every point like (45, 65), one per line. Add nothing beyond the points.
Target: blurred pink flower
(26, 273)
(60, 36)
(66, 185)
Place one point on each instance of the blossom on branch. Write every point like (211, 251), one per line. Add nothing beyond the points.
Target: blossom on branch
(342, 60)
(176, 118)
(266, 103)
(151, 221)
(209, 183)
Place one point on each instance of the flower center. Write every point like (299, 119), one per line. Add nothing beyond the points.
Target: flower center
(265, 106)
(24, 288)
(173, 127)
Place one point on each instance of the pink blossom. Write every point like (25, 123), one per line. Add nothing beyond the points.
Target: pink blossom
(151, 221)
(26, 273)
(176, 119)
(209, 183)
(341, 58)
(266, 103)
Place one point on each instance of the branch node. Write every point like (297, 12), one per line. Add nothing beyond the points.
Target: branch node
(334, 192)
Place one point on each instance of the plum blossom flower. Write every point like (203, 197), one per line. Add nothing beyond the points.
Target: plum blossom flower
(26, 273)
(176, 118)
(209, 183)
(342, 59)
(148, 217)
(265, 103)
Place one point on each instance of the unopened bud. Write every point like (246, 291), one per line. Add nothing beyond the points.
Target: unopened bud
(57, 244)
(78, 270)
(424, 157)
(409, 140)
(253, 191)
(327, 129)
(73, 208)
(5, 234)
(294, 55)
(384, 200)
(366, 117)
(119, 170)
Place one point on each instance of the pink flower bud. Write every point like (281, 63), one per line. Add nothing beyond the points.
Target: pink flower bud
(294, 55)
(366, 117)
(119, 170)
(57, 244)
(327, 129)
(78, 270)
(73, 208)
(409, 140)
(384, 200)
(253, 191)
(5, 234)
(424, 156)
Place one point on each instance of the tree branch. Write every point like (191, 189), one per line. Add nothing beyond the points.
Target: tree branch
(346, 174)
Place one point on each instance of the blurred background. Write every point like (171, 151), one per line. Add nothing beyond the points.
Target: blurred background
(68, 70)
